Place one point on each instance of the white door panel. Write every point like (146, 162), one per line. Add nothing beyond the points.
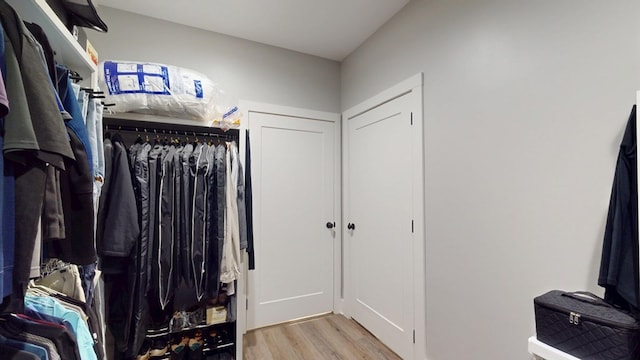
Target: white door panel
(380, 206)
(293, 177)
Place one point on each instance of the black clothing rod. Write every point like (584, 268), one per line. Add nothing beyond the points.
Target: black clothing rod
(153, 129)
(153, 132)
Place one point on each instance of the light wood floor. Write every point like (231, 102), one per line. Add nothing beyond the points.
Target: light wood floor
(325, 337)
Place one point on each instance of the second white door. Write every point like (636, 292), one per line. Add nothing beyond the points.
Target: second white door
(293, 175)
(380, 218)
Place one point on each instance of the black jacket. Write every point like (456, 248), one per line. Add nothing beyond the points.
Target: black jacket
(140, 317)
(121, 226)
(76, 187)
(619, 264)
(104, 193)
(119, 229)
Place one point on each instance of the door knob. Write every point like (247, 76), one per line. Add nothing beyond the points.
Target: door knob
(331, 225)
(351, 226)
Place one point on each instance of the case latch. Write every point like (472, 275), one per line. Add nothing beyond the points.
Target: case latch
(574, 318)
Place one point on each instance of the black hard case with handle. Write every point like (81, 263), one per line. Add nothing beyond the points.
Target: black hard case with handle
(585, 326)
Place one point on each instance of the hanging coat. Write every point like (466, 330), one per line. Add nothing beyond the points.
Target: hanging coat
(619, 264)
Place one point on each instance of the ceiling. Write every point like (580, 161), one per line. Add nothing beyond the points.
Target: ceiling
(330, 29)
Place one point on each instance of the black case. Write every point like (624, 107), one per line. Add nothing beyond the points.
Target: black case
(585, 326)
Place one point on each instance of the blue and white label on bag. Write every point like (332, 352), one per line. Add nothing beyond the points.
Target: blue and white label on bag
(230, 112)
(197, 84)
(132, 78)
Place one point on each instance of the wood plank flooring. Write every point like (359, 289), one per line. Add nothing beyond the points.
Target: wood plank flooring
(325, 337)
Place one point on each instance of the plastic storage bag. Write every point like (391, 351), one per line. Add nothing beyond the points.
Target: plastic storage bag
(158, 89)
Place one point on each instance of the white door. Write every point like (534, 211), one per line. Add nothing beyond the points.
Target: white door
(293, 176)
(380, 213)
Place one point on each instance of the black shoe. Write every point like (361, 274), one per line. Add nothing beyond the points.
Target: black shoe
(179, 346)
(145, 349)
(196, 345)
(159, 346)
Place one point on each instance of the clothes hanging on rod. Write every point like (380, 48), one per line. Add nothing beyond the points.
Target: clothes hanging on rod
(229, 266)
(47, 181)
(33, 126)
(47, 177)
(179, 178)
(44, 175)
(55, 324)
(619, 261)
(147, 133)
(249, 203)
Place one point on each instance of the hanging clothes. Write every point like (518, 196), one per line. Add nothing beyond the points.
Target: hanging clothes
(198, 238)
(139, 155)
(248, 198)
(619, 263)
(166, 235)
(14, 326)
(34, 136)
(38, 350)
(76, 189)
(155, 168)
(93, 120)
(47, 180)
(120, 211)
(177, 229)
(76, 123)
(7, 189)
(221, 206)
(186, 196)
(41, 38)
(64, 279)
(118, 233)
(215, 220)
(186, 271)
(63, 284)
(48, 309)
(242, 211)
(229, 268)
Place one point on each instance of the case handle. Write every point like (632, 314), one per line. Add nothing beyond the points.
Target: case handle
(587, 297)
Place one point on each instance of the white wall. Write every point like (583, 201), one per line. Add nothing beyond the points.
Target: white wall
(246, 69)
(525, 105)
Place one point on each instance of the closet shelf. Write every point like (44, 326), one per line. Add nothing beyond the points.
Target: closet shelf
(544, 351)
(170, 123)
(67, 48)
(158, 119)
(203, 326)
(215, 349)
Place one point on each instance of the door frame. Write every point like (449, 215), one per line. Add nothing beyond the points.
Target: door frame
(413, 87)
(247, 107)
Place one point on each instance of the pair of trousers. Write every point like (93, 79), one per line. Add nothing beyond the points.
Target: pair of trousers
(157, 156)
(140, 159)
(199, 169)
(166, 235)
(186, 272)
(87, 274)
(211, 227)
(218, 206)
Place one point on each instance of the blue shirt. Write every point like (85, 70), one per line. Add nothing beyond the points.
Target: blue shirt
(76, 124)
(50, 306)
